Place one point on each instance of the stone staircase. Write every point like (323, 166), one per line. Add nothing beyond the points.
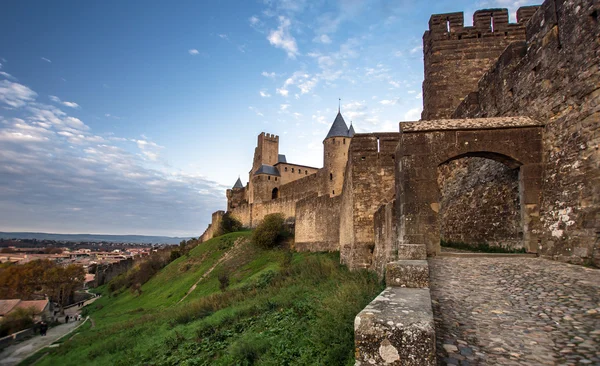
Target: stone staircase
(397, 327)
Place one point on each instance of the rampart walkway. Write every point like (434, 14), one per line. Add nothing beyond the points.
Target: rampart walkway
(515, 311)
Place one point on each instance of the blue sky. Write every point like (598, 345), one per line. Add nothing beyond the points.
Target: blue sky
(133, 117)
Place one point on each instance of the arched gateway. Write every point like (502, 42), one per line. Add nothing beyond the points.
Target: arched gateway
(513, 141)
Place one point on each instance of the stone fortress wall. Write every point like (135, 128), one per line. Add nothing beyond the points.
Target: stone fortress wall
(554, 77)
(545, 68)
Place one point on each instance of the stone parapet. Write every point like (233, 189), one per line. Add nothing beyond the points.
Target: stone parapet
(407, 273)
(396, 328)
(412, 252)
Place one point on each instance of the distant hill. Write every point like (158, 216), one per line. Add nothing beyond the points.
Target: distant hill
(138, 239)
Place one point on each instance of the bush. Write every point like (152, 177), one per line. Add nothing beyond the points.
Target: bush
(229, 224)
(223, 281)
(270, 232)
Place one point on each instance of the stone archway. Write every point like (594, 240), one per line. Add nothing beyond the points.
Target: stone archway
(513, 141)
(275, 193)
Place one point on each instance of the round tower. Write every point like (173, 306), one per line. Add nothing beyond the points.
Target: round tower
(335, 155)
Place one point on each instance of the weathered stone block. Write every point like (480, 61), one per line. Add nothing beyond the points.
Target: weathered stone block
(412, 252)
(396, 328)
(407, 273)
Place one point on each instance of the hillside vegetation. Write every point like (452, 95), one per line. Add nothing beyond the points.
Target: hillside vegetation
(249, 306)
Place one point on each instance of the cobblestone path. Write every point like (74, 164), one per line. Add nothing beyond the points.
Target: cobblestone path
(515, 311)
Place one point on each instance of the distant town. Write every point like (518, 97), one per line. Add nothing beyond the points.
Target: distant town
(87, 254)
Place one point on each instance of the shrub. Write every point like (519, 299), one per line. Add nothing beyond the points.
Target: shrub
(223, 281)
(175, 254)
(229, 224)
(16, 320)
(270, 232)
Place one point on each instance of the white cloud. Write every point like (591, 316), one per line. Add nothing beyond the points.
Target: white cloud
(75, 123)
(264, 94)
(281, 38)
(45, 59)
(413, 114)
(416, 49)
(223, 36)
(254, 20)
(283, 92)
(14, 94)
(71, 104)
(8, 76)
(389, 101)
(284, 107)
(149, 149)
(270, 75)
(65, 103)
(324, 38)
(193, 51)
(256, 111)
(395, 84)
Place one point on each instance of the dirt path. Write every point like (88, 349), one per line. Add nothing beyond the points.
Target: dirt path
(225, 257)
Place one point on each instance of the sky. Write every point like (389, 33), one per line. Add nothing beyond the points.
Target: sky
(134, 117)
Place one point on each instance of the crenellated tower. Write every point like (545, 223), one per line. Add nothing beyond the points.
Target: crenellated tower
(456, 57)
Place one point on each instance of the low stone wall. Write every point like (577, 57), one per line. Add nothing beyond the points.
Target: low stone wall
(15, 337)
(397, 328)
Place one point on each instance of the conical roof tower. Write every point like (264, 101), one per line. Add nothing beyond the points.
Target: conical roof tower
(238, 184)
(339, 128)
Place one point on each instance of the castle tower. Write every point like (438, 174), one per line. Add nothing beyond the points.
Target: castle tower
(456, 57)
(335, 155)
(236, 196)
(266, 151)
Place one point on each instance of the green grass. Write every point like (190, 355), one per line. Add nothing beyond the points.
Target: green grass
(479, 247)
(273, 313)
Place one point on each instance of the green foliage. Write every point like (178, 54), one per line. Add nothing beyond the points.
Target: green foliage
(223, 281)
(21, 281)
(16, 320)
(479, 247)
(270, 232)
(229, 224)
(175, 254)
(280, 308)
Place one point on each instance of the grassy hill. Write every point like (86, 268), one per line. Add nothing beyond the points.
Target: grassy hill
(280, 308)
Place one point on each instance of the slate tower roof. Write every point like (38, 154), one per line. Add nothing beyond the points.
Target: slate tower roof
(339, 128)
(238, 184)
(351, 132)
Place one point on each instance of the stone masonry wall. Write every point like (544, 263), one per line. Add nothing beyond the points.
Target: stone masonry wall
(301, 188)
(479, 202)
(457, 56)
(369, 184)
(555, 78)
(284, 206)
(318, 224)
(384, 220)
(106, 272)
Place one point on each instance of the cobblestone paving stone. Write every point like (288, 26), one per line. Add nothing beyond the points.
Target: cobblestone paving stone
(515, 311)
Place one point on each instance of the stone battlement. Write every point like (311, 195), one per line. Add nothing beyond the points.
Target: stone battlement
(270, 137)
(486, 22)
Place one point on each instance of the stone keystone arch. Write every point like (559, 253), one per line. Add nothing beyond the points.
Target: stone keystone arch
(513, 141)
